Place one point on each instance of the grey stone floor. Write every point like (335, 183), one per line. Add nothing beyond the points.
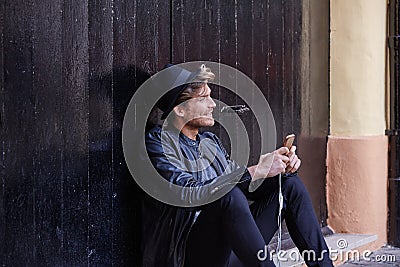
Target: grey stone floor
(384, 257)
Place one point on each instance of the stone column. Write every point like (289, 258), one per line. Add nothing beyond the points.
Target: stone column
(357, 151)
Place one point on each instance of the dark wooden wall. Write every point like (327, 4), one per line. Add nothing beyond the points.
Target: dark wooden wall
(68, 70)
(393, 131)
(259, 38)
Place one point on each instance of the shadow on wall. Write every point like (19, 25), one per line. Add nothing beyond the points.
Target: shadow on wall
(110, 94)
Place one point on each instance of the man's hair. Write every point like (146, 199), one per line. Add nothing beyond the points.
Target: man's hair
(196, 88)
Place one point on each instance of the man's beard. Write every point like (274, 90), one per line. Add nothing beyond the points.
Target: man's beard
(201, 122)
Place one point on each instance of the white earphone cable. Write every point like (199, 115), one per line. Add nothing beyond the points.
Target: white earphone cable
(280, 196)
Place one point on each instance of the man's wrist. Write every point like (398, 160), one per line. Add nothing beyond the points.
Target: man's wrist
(252, 171)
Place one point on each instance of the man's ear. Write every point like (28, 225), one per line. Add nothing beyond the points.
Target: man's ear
(178, 110)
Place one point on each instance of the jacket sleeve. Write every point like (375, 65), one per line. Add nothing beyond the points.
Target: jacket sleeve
(165, 159)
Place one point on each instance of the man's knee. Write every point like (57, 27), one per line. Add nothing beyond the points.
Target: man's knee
(293, 187)
(234, 199)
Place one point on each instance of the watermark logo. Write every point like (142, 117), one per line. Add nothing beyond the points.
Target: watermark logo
(342, 243)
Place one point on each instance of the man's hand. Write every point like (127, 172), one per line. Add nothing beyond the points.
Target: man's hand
(294, 162)
(271, 164)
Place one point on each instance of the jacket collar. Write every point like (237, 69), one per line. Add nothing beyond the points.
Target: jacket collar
(183, 138)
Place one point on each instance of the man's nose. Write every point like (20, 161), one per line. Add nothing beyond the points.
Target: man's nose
(212, 103)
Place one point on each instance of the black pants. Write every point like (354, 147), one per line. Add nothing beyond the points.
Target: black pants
(230, 224)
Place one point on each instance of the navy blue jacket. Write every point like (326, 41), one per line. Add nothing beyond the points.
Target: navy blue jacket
(165, 228)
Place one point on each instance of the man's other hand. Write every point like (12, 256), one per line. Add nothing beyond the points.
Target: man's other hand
(294, 162)
(271, 164)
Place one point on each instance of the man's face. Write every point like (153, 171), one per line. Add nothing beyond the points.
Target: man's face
(198, 110)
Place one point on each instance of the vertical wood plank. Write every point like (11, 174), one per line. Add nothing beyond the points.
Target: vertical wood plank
(100, 227)
(227, 50)
(18, 142)
(124, 205)
(2, 139)
(260, 63)
(48, 136)
(287, 57)
(275, 56)
(291, 57)
(125, 38)
(75, 181)
(297, 24)
(247, 37)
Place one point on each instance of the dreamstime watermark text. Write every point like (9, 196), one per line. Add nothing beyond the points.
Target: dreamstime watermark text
(340, 254)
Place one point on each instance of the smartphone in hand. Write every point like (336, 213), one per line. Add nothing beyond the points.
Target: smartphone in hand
(289, 139)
